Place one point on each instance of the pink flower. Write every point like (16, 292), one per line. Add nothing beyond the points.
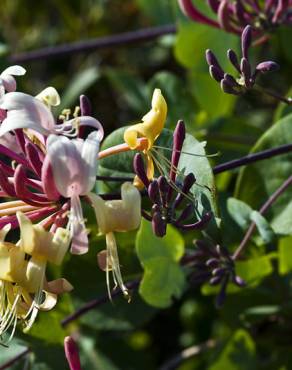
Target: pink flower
(74, 165)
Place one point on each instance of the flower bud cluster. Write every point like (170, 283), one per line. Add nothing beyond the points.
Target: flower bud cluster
(247, 76)
(233, 16)
(214, 264)
(172, 200)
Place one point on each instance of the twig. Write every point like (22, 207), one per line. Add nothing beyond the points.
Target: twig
(263, 209)
(253, 157)
(274, 95)
(131, 285)
(126, 38)
(187, 353)
(15, 359)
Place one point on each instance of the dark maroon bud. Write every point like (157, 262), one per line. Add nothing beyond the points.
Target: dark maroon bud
(139, 169)
(246, 39)
(163, 184)
(33, 157)
(212, 60)
(268, 66)
(212, 262)
(246, 71)
(189, 181)
(215, 280)
(230, 79)
(216, 73)
(186, 213)
(228, 88)
(239, 281)
(220, 299)
(178, 140)
(199, 225)
(153, 192)
(214, 5)
(158, 224)
(85, 106)
(240, 12)
(233, 59)
(219, 271)
(198, 278)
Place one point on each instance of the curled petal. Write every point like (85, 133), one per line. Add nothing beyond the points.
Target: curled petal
(49, 96)
(25, 112)
(152, 123)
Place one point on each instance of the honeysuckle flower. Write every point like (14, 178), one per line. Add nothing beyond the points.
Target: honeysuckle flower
(74, 165)
(23, 286)
(150, 128)
(116, 215)
(28, 112)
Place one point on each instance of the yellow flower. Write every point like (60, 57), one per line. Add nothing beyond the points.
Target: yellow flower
(23, 286)
(150, 128)
(116, 215)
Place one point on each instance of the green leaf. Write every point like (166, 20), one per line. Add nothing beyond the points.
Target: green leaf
(238, 354)
(80, 82)
(255, 269)
(194, 39)
(258, 181)
(132, 88)
(158, 11)
(285, 255)
(162, 280)
(240, 212)
(264, 228)
(211, 99)
(163, 276)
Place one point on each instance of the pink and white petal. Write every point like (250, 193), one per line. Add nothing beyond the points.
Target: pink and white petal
(15, 70)
(24, 111)
(67, 165)
(79, 243)
(89, 155)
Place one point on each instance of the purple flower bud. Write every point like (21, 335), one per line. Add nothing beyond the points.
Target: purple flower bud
(246, 38)
(199, 225)
(153, 192)
(240, 12)
(219, 271)
(85, 105)
(212, 60)
(163, 184)
(178, 140)
(239, 281)
(186, 213)
(233, 59)
(189, 181)
(158, 224)
(224, 18)
(139, 169)
(268, 66)
(228, 88)
(220, 299)
(215, 280)
(71, 352)
(214, 5)
(230, 79)
(212, 262)
(216, 73)
(246, 71)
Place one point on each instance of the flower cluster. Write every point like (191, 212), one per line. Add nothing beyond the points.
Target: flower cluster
(171, 197)
(247, 76)
(48, 168)
(233, 16)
